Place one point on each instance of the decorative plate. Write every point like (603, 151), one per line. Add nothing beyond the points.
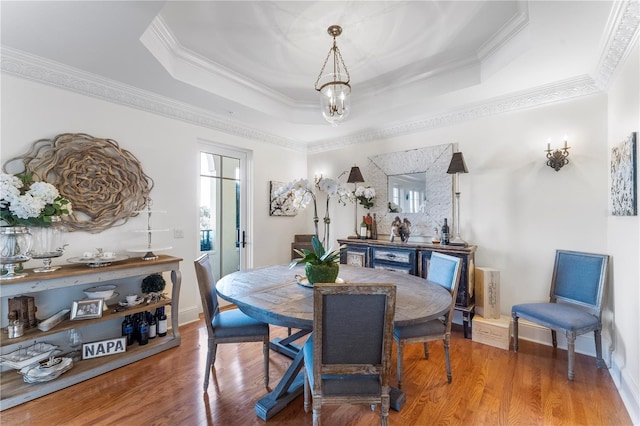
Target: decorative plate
(97, 262)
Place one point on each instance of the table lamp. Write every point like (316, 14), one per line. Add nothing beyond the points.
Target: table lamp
(355, 177)
(456, 167)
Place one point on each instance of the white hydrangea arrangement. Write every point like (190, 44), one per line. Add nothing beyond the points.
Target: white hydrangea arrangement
(28, 203)
(365, 196)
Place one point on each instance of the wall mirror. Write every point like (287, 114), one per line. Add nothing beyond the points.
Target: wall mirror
(412, 184)
(407, 191)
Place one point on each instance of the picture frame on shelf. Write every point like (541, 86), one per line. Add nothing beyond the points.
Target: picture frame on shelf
(87, 309)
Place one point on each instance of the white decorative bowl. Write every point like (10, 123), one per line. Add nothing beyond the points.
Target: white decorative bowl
(100, 292)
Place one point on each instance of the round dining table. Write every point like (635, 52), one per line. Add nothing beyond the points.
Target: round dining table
(280, 295)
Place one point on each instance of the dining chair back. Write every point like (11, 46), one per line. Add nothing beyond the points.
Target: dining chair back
(347, 358)
(443, 270)
(228, 326)
(575, 302)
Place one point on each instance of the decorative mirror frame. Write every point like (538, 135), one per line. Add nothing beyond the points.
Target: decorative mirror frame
(433, 161)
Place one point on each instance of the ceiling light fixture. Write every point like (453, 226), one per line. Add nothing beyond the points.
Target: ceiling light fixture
(334, 88)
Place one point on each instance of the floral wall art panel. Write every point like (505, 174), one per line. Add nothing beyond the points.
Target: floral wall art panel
(280, 205)
(624, 177)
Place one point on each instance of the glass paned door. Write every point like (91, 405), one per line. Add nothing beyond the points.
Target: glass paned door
(221, 220)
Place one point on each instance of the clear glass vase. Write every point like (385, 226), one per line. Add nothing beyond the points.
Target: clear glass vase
(47, 243)
(15, 243)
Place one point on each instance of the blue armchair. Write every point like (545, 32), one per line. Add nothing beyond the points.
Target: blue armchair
(575, 304)
(444, 270)
(347, 360)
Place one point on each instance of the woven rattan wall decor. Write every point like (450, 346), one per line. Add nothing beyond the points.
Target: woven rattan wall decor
(105, 183)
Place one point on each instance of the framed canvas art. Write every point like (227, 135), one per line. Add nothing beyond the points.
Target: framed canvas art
(280, 205)
(624, 177)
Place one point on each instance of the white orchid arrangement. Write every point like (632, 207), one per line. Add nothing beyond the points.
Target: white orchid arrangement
(28, 203)
(365, 196)
(304, 192)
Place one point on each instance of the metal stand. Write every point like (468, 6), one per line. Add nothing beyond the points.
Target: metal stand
(457, 240)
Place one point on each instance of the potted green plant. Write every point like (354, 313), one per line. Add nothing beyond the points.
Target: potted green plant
(321, 266)
(153, 283)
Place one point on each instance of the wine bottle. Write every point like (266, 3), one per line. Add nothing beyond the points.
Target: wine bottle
(374, 228)
(444, 238)
(162, 321)
(363, 228)
(369, 222)
(153, 327)
(143, 330)
(127, 329)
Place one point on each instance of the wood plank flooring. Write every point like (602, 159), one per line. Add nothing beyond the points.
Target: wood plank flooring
(490, 387)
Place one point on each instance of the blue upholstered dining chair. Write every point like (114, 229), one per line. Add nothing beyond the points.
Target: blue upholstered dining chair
(229, 326)
(347, 359)
(575, 304)
(443, 270)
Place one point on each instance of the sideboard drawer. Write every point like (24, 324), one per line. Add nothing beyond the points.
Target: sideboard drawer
(391, 259)
(394, 256)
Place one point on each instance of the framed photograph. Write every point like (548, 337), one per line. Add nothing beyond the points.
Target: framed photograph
(624, 178)
(280, 205)
(86, 309)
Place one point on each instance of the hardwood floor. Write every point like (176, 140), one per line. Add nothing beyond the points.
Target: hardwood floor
(490, 387)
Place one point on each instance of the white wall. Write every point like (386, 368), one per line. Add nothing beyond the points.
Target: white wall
(518, 211)
(624, 244)
(168, 152)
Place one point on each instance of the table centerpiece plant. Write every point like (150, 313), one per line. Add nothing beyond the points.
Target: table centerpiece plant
(321, 266)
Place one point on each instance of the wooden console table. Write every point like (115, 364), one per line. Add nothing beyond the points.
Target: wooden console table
(53, 289)
(413, 258)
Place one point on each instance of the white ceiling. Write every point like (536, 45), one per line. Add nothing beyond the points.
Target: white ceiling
(253, 64)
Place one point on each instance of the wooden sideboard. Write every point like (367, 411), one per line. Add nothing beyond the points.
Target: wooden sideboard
(413, 258)
(53, 288)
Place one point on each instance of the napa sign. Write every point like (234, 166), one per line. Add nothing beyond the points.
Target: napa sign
(104, 347)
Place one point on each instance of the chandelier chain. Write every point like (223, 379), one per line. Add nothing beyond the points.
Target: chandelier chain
(336, 64)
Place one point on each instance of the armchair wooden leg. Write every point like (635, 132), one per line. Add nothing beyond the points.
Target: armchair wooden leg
(426, 350)
(400, 346)
(447, 360)
(515, 331)
(598, 339)
(554, 338)
(211, 359)
(306, 391)
(317, 405)
(384, 409)
(571, 347)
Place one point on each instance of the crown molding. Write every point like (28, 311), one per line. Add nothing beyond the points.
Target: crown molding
(622, 31)
(31, 67)
(159, 36)
(543, 95)
(505, 34)
(624, 25)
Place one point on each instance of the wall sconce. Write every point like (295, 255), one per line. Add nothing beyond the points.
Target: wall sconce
(557, 158)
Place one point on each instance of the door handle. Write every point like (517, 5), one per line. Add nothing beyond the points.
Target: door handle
(244, 239)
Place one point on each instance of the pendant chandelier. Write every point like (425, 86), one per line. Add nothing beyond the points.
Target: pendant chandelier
(334, 88)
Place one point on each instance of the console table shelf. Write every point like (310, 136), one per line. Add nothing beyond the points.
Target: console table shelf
(14, 391)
